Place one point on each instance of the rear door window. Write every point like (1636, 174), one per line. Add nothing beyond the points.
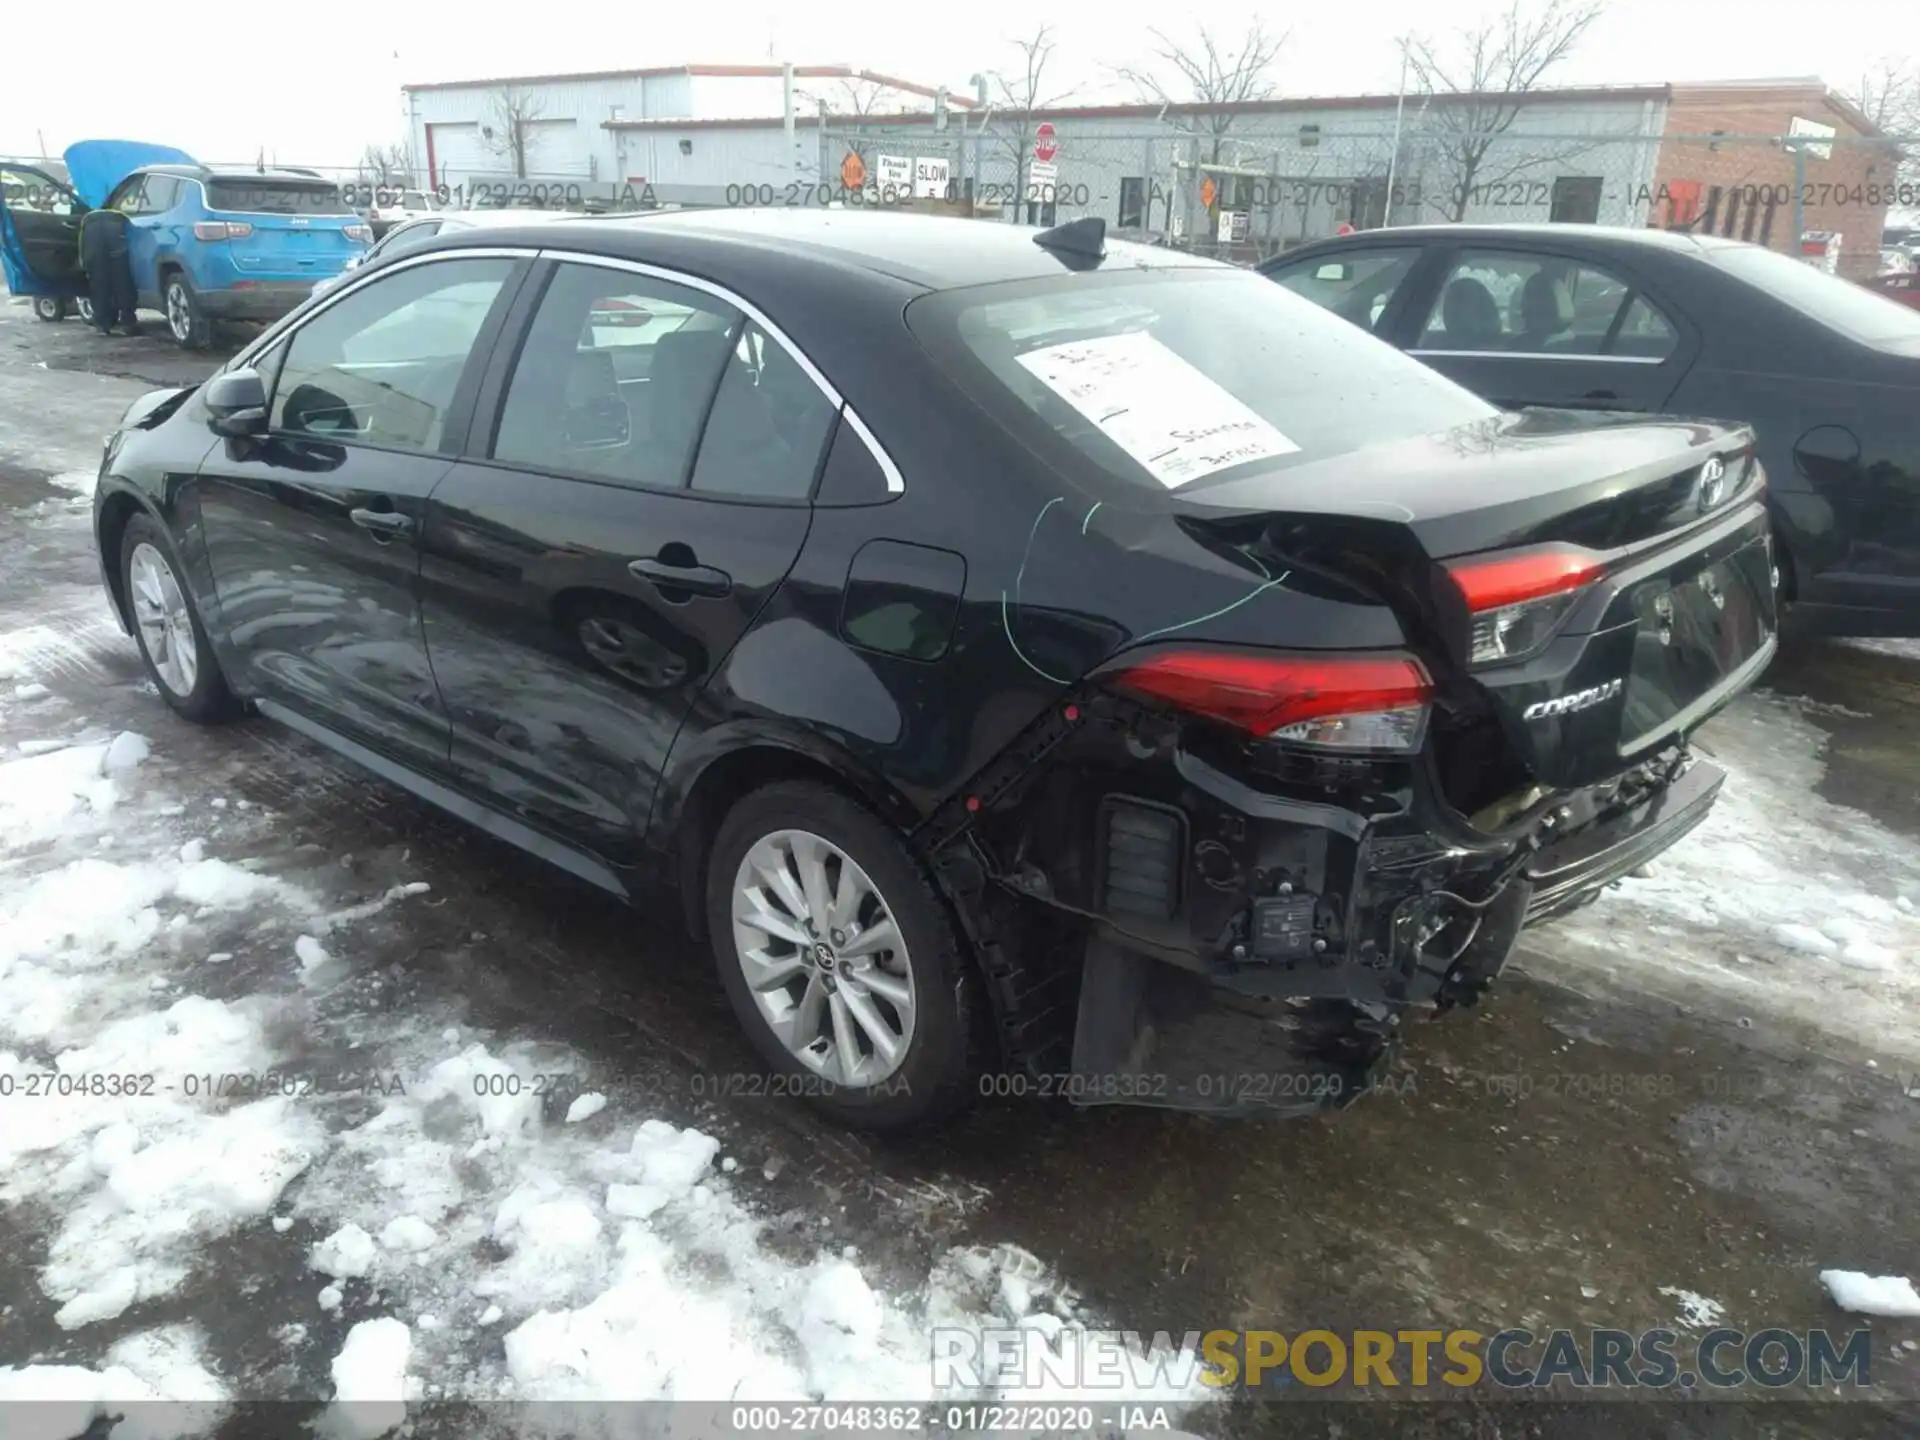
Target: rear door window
(615, 378)
(769, 426)
(1514, 303)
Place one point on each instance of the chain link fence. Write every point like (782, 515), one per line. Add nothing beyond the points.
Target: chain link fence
(1246, 196)
(1250, 190)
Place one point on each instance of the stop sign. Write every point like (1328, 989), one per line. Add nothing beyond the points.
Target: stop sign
(1044, 146)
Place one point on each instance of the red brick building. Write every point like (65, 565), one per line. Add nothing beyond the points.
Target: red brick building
(1723, 169)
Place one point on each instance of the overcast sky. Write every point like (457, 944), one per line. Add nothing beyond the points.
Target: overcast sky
(314, 86)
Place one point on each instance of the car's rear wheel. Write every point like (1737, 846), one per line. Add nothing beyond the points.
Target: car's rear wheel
(841, 960)
(84, 308)
(172, 641)
(49, 307)
(186, 321)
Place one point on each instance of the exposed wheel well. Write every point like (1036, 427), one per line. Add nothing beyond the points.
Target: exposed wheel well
(717, 789)
(115, 515)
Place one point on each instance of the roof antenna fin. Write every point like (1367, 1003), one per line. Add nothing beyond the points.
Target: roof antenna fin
(1083, 240)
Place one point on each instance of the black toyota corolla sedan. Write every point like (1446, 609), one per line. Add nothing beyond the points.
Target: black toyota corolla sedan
(1041, 664)
(1826, 372)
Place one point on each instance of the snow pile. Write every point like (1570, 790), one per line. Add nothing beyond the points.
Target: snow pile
(1865, 1294)
(118, 1119)
(139, 1157)
(370, 1386)
(1781, 898)
(44, 794)
(629, 1270)
(347, 1254)
(56, 1402)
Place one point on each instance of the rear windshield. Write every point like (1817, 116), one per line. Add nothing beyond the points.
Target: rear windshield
(1166, 378)
(1853, 310)
(276, 197)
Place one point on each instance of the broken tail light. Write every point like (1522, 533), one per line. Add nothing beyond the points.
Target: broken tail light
(1371, 703)
(1519, 599)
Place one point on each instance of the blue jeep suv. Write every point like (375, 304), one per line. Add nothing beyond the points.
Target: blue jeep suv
(211, 245)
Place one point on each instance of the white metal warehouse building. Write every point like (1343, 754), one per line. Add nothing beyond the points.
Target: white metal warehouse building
(1279, 171)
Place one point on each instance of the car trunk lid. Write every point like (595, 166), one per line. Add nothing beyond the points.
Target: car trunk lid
(1596, 585)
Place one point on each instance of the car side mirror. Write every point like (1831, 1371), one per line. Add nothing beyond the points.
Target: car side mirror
(236, 403)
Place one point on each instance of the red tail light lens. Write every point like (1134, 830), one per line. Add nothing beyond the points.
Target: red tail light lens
(1348, 702)
(1524, 575)
(221, 229)
(1519, 599)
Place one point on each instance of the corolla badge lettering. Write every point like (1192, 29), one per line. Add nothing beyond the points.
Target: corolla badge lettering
(1567, 704)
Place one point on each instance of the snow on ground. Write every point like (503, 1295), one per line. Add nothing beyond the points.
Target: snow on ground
(483, 1246)
(152, 1365)
(1781, 903)
(1871, 1294)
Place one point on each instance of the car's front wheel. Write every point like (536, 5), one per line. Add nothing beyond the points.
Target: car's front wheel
(172, 641)
(186, 321)
(841, 960)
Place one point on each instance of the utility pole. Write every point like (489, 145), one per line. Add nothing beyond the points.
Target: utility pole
(1393, 160)
(786, 98)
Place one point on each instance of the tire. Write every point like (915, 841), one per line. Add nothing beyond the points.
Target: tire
(186, 321)
(163, 618)
(939, 1033)
(49, 308)
(83, 307)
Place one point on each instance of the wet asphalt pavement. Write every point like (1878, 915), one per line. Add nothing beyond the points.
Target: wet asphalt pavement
(1735, 1160)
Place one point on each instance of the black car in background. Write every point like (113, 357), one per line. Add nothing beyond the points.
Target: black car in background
(1027, 656)
(1827, 372)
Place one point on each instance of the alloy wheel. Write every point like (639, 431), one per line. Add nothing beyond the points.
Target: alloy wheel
(166, 625)
(825, 963)
(179, 312)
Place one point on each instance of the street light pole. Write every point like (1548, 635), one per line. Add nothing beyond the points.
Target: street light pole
(1393, 161)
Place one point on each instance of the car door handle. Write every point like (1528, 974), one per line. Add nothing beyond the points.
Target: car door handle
(382, 522)
(694, 579)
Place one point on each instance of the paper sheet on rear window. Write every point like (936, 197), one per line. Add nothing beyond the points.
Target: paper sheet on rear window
(1162, 410)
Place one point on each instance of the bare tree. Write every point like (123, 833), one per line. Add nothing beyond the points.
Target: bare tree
(863, 99)
(1016, 99)
(1889, 96)
(1482, 82)
(386, 165)
(1211, 75)
(506, 129)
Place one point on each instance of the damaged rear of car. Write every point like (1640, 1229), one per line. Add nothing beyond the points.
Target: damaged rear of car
(1387, 676)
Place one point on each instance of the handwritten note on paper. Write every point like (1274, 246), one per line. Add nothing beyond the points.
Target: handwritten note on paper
(1163, 411)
